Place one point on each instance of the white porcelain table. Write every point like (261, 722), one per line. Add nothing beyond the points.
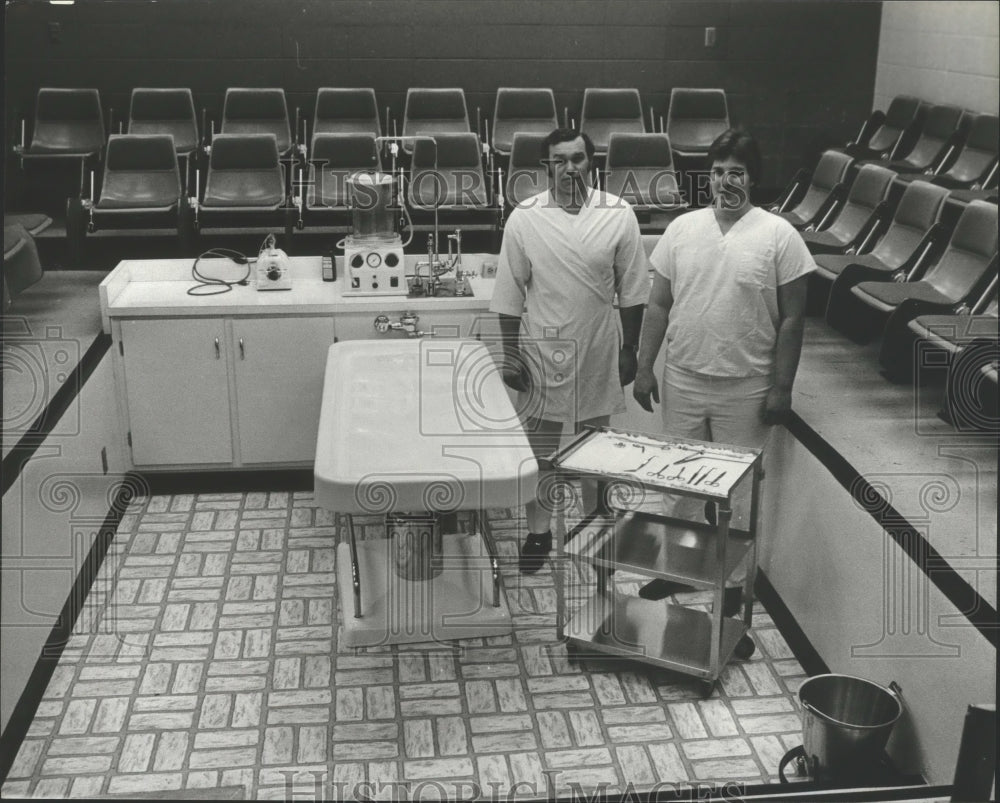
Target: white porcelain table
(419, 427)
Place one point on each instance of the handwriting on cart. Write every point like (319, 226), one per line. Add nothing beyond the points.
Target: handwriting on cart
(659, 462)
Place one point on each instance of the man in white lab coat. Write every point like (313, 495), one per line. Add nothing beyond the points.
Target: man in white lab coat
(566, 253)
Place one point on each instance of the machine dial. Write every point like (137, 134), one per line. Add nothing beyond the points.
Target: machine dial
(374, 260)
(391, 260)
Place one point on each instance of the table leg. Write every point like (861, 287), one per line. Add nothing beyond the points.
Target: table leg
(355, 570)
(482, 523)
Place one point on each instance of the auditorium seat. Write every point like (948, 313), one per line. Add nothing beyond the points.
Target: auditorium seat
(448, 173)
(610, 110)
(640, 169)
(864, 206)
(522, 110)
(34, 222)
(919, 347)
(333, 158)
(695, 118)
(942, 128)
(977, 157)
(345, 111)
(165, 111)
(432, 111)
(257, 111)
(245, 185)
(140, 188)
(907, 242)
(883, 130)
(913, 225)
(69, 126)
(21, 266)
(968, 262)
(825, 185)
(527, 176)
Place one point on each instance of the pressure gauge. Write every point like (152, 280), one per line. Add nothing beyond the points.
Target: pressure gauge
(374, 260)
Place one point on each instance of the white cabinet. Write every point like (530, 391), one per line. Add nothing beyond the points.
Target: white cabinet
(176, 390)
(279, 365)
(230, 392)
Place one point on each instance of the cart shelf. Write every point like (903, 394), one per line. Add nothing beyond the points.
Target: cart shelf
(658, 546)
(669, 636)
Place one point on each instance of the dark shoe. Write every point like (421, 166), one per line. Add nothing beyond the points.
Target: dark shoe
(732, 601)
(534, 551)
(661, 589)
(710, 516)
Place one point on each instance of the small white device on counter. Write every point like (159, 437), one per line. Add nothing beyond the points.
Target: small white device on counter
(273, 269)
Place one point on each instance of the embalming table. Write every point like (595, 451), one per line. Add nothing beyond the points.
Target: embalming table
(410, 430)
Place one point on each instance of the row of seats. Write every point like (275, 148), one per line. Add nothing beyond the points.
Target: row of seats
(70, 122)
(902, 224)
(141, 183)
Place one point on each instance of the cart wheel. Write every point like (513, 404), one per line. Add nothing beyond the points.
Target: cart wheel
(707, 687)
(745, 647)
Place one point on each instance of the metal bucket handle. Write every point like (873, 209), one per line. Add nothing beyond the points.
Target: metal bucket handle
(799, 753)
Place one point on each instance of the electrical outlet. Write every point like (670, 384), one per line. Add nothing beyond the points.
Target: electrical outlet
(489, 270)
(710, 37)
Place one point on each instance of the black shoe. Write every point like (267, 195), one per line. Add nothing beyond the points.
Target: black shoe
(661, 589)
(534, 551)
(710, 516)
(732, 601)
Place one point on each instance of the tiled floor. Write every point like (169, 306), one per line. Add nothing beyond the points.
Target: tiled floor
(208, 657)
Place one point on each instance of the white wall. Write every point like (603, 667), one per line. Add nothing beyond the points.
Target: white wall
(945, 51)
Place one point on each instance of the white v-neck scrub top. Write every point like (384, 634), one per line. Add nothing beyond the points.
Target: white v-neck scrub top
(561, 272)
(724, 319)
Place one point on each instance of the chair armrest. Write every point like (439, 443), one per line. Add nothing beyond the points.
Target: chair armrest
(924, 255)
(828, 210)
(801, 177)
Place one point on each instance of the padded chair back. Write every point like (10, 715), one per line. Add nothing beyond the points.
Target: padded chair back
(165, 111)
(334, 158)
(67, 121)
(527, 176)
(900, 115)
(641, 170)
(21, 266)
(346, 111)
(610, 110)
(450, 175)
(695, 118)
(939, 126)
(918, 210)
(529, 111)
(979, 152)
(244, 171)
(972, 247)
(257, 111)
(829, 172)
(140, 172)
(870, 187)
(434, 111)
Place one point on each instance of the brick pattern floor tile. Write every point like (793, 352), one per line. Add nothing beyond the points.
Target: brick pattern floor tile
(209, 658)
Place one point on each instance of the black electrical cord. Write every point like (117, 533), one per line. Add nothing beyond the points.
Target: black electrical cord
(211, 285)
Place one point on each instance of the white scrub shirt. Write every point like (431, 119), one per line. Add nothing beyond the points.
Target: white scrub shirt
(561, 273)
(724, 319)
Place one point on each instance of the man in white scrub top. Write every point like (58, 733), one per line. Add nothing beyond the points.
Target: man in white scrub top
(729, 293)
(566, 253)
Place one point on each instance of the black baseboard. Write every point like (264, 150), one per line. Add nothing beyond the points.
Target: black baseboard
(803, 650)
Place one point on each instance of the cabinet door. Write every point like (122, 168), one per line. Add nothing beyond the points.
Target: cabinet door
(177, 389)
(280, 364)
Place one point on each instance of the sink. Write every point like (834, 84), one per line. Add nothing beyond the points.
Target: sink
(445, 289)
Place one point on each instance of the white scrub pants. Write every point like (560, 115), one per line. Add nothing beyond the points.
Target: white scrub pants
(720, 409)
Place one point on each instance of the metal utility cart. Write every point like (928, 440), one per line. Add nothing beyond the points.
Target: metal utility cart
(632, 467)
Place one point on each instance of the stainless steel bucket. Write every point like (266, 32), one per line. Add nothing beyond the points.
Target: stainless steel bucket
(846, 724)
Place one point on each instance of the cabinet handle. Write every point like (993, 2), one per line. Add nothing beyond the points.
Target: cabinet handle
(218, 353)
(242, 351)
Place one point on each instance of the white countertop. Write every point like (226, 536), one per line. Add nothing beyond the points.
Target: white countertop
(158, 287)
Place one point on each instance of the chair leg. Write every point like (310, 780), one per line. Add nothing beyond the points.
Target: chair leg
(76, 230)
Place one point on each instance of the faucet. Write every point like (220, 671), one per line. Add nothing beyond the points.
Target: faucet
(407, 323)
